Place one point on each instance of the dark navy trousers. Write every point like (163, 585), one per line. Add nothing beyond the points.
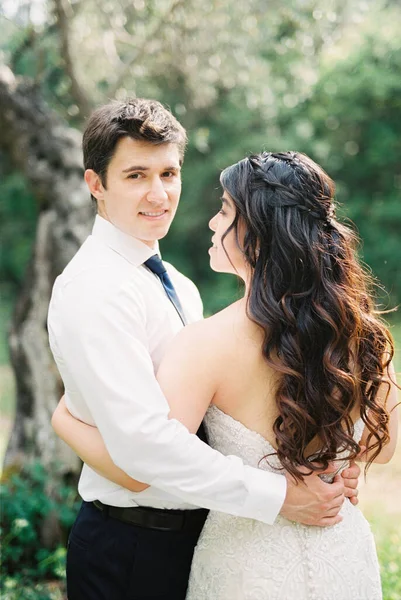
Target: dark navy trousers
(111, 560)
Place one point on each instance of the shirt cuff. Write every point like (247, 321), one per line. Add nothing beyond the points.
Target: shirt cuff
(266, 495)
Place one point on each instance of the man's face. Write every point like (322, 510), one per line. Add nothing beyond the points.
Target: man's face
(142, 191)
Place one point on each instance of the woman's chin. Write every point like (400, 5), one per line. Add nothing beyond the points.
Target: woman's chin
(212, 266)
(216, 268)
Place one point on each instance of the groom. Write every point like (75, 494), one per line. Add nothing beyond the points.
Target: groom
(113, 311)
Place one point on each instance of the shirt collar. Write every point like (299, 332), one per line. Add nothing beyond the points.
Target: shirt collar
(135, 251)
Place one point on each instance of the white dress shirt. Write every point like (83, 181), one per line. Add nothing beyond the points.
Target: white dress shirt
(109, 322)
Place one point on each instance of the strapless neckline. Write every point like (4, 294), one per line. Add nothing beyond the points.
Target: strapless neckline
(240, 426)
(260, 440)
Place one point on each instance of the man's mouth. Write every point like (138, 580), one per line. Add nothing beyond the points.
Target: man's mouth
(154, 214)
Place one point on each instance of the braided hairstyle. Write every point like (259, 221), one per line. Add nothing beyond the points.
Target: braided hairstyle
(311, 297)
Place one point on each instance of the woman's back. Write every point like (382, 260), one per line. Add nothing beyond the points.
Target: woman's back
(242, 559)
(246, 384)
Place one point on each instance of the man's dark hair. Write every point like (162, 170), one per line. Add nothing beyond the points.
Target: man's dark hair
(137, 118)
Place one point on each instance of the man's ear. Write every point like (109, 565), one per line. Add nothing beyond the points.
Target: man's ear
(94, 184)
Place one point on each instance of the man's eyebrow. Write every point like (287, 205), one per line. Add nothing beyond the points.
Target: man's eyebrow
(136, 168)
(142, 168)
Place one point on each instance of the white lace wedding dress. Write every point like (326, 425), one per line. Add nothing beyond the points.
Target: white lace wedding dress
(243, 559)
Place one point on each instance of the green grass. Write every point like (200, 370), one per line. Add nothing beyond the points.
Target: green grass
(387, 531)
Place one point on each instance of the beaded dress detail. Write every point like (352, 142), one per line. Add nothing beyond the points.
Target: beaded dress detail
(243, 559)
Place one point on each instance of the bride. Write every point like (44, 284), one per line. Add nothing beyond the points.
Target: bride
(295, 375)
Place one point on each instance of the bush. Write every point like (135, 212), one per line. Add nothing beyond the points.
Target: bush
(29, 500)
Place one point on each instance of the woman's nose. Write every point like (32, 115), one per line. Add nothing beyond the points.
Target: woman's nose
(213, 223)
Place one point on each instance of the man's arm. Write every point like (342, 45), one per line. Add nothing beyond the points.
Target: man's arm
(102, 347)
(108, 358)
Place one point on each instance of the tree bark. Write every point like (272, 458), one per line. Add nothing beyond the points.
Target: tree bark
(48, 152)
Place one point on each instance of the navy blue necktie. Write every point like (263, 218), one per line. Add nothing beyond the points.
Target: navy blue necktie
(155, 264)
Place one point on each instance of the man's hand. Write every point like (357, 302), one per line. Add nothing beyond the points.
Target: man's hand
(350, 476)
(313, 502)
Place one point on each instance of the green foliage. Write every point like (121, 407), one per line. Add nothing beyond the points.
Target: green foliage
(26, 502)
(389, 558)
(388, 541)
(298, 76)
(13, 589)
(351, 125)
(33, 50)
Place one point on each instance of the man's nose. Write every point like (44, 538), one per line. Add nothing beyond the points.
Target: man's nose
(157, 194)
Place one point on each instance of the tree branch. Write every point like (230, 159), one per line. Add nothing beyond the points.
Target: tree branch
(78, 93)
(138, 54)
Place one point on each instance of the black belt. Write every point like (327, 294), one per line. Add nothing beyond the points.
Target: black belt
(154, 518)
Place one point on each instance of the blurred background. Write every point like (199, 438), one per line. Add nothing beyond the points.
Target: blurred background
(319, 76)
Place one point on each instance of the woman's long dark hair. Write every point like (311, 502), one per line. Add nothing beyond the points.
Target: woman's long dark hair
(311, 297)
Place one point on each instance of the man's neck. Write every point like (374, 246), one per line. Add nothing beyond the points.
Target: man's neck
(150, 243)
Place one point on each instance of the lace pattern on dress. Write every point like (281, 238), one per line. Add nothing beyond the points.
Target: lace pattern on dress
(243, 559)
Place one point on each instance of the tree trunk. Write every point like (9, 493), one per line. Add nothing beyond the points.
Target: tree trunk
(48, 152)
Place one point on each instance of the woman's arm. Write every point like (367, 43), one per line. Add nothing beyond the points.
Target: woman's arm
(391, 406)
(187, 377)
(189, 372)
(88, 444)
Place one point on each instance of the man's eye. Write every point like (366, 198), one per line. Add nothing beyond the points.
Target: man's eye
(168, 174)
(134, 176)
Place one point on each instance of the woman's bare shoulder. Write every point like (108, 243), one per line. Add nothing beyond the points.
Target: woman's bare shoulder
(212, 334)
